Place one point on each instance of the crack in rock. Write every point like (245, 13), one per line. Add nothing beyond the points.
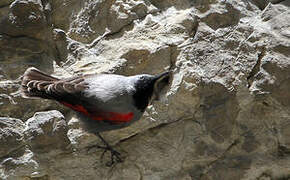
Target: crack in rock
(161, 125)
(276, 1)
(109, 34)
(221, 157)
(256, 67)
(282, 150)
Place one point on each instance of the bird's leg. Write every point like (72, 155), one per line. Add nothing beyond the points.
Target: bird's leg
(115, 155)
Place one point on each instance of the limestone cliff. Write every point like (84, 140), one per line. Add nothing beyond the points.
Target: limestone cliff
(226, 114)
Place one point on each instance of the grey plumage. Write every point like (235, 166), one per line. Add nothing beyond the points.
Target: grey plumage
(97, 94)
(104, 101)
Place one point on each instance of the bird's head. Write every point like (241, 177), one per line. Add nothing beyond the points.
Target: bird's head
(149, 87)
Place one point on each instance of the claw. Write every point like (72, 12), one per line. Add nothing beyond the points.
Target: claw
(115, 155)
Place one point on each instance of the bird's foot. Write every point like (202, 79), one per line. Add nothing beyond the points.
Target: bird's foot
(115, 155)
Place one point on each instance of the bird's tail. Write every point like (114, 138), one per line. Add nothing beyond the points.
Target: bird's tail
(35, 83)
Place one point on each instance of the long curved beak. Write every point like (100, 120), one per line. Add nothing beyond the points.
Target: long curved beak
(162, 76)
(160, 82)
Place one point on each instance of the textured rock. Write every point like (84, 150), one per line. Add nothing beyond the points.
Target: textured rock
(225, 115)
(25, 18)
(16, 159)
(20, 165)
(25, 40)
(11, 135)
(5, 3)
(46, 131)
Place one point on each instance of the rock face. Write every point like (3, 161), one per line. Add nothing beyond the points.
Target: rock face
(226, 113)
(11, 135)
(46, 131)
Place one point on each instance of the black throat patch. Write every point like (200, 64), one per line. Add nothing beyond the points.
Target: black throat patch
(144, 90)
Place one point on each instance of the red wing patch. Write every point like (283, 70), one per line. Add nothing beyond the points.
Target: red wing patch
(78, 108)
(112, 117)
(119, 118)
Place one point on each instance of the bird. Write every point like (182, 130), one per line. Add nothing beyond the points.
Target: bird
(105, 101)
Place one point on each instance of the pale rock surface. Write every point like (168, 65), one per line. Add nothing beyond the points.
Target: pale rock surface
(226, 112)
(16, 158)
(46, 131)
(11, 135)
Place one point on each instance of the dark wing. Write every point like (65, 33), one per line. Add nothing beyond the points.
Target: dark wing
(40, 85)
(69, 92)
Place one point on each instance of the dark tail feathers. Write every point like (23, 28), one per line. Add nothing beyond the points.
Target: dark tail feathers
(34, 83)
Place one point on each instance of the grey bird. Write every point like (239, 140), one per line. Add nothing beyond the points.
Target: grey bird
(108, 101)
